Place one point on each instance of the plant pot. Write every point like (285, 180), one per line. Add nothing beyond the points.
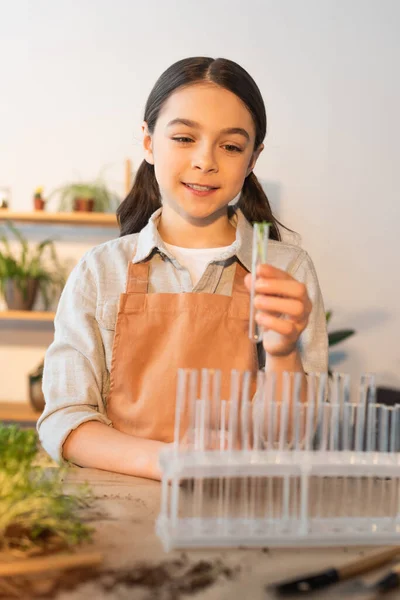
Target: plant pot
(83, 204)
(36, 395)
(38, 203)
(16, 299)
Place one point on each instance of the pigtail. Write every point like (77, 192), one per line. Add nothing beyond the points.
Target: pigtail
(254, 204)
(144, 198)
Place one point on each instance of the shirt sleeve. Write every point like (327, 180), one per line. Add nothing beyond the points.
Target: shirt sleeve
(75, 374)
(313, 341)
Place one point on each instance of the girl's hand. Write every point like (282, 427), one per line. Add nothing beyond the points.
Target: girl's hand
(283, 309)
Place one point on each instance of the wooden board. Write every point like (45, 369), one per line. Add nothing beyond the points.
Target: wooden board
(39, 564)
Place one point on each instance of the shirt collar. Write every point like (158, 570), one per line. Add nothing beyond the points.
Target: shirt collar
(149, 239)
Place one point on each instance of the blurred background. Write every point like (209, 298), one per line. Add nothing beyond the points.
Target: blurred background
(74, 78)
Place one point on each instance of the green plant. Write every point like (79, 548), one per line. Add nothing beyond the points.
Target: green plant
(35, 388)
(37, 375)
(39, 263)
(261, 229)
(35, 514)
(335, 337)
(104, 199)
(38, 193)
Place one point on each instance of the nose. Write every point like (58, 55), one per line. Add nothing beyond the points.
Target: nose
(204, 159)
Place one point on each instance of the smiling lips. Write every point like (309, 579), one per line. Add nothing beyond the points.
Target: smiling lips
(200, 190)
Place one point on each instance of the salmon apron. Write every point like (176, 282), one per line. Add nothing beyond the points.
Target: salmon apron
(156, 334)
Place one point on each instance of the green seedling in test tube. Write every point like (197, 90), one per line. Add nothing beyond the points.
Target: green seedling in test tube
(259, 257)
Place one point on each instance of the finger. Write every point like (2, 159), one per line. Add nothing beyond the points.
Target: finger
(285, 327)
(269, 271)
(288, 286)
(248, 279)
(278, 287)
(273, 304)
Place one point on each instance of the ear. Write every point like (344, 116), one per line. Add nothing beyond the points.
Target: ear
(254, 159)
(147, 144)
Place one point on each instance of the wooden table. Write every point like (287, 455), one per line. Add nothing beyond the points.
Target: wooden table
(125, 511)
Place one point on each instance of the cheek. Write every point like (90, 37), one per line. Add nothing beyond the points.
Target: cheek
(238, 174)
(164, 170)
(168, 165)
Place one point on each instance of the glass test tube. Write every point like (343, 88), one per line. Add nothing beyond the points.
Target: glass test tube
(259, 257)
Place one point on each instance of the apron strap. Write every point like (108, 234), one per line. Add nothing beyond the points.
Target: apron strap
(138, 278)
(238, 287)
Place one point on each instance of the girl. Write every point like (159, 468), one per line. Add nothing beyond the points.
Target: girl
(173, 290)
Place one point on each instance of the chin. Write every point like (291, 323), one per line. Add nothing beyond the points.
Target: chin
(202, 208)
(204, 213)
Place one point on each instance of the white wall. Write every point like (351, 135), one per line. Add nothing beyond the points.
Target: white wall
(74, 77)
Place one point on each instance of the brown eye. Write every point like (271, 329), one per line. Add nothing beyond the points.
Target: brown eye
(182, 140)
(232, 148)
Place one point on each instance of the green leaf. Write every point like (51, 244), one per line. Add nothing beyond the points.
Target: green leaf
(18, 447)
(261, 230)
(338, 336)
(328, 316)
(41, 264)
(21, 239)
(6, 244)
(32, 500)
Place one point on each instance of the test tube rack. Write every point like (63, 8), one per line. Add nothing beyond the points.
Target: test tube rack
(294, 461)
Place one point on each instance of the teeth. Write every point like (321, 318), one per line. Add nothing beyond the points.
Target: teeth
(199, 188)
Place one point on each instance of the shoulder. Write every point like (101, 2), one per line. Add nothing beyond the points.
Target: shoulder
(110, 256)
(288, 257)
(101, 272)
(295, 261)
(122, 246)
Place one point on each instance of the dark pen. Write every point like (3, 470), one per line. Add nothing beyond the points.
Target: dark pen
(390, 581)
(322, 579)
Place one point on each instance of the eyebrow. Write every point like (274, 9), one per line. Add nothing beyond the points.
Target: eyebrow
(195, 125)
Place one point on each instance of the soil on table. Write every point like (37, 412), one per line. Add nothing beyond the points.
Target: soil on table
(168, 580)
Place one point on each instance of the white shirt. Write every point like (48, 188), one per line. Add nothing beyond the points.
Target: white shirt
(195, 260)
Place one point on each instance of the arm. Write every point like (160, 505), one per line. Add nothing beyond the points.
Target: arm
(74, 425)
(291, 363)
(95, 445)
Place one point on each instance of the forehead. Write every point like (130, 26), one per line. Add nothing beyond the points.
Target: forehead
(209, 105)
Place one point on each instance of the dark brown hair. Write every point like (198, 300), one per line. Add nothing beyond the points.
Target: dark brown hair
(144, 197)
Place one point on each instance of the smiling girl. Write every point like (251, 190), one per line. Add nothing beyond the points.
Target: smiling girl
(173, 290)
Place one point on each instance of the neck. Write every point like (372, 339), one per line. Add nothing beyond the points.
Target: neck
(213, 232)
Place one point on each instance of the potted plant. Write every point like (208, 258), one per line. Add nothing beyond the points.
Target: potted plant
(5, 196)
(33, 270)
(95, 196)
(38, 200)
(36, 395)
(335, 337)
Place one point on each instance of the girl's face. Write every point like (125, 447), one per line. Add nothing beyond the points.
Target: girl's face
(202, 149)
